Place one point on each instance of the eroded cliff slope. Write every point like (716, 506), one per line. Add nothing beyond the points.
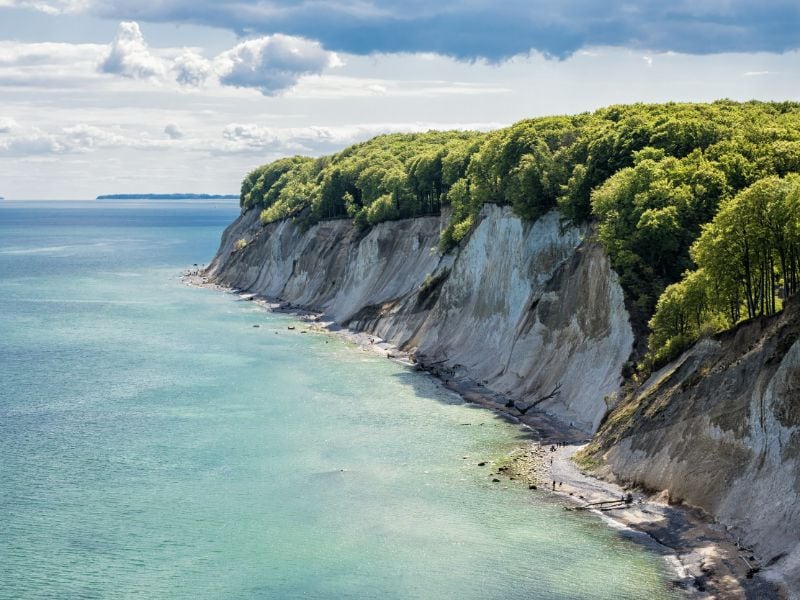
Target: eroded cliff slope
(720, 429)
(532, 311)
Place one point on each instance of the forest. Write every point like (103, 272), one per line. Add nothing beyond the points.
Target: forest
(697, 205)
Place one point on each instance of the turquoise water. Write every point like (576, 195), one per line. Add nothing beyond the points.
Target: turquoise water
(154, 444)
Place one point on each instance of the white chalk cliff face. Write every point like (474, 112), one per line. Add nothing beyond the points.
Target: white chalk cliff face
(720, 429)
(532, 311)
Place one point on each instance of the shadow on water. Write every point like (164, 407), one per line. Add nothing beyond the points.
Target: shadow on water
(429, 387)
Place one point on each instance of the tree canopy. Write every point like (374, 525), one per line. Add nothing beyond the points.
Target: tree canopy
(696, 204)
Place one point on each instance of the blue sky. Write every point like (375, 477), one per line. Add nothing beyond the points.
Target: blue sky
(178, 95)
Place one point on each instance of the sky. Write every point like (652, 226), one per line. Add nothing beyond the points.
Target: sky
(158, 96)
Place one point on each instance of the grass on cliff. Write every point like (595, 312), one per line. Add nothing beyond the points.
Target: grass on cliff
(587, 460)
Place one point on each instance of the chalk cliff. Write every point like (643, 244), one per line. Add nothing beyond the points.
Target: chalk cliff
(532, 311)
(719, 428)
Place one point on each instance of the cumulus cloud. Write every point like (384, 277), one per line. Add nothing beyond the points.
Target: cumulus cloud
(273, 63)
(7, 124)
(20, 140)
(192, 69)
(34, 141)
(130, 55)
(269, 64)
(480, 28)
(173, 131)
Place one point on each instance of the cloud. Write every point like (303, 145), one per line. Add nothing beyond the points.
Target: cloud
(15, 54)
(19, 140)
(173, 131)
(316, 140)
(332, 87)
(192, 69)
(270, 64)
(79, 138)
(130, 56)
(7, 125)
(480, 28)
(49, 65)
(273, 63)
(50, 7)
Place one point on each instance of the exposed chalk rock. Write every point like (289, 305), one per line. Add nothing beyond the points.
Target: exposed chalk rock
(532, 311)
(720, 429)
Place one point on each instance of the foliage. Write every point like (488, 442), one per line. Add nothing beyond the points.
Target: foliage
(652, 178)
(748, 263)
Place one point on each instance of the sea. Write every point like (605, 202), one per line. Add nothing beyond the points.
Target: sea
(163, 441)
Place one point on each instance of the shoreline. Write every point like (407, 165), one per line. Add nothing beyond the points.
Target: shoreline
(705, 559)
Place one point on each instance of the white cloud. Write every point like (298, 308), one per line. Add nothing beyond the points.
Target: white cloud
(235, 138)
(273, 63)
(49, 65)
(32, 141)
(270, 64)
(331, 86)
(173, 131)
(87, 137)
(130, 55)
(15, 54)
(250, 137)
(192, 69)
(50, 7)
(7, 125)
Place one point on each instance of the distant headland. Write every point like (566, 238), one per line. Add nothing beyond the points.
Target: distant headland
(168, 197)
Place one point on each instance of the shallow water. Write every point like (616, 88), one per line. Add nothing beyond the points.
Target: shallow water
(154, 444)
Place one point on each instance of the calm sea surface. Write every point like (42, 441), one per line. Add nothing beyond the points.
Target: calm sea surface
(154, 444)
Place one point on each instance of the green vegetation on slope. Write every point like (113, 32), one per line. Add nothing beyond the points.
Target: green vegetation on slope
(748, 263)
(653, 178)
